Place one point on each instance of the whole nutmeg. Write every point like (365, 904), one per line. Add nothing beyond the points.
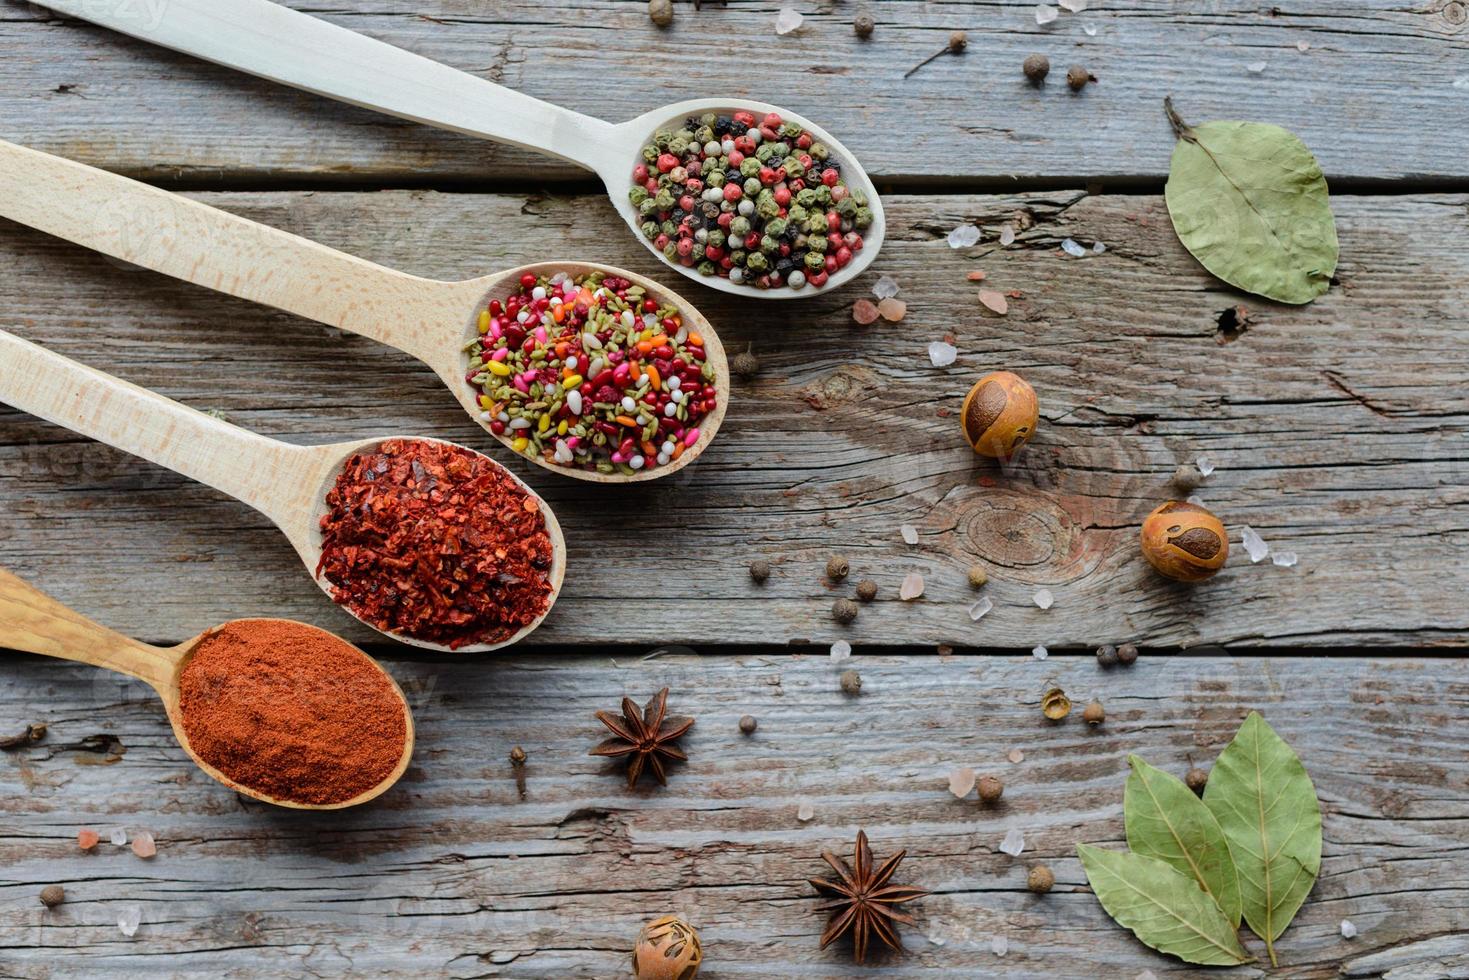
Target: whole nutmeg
(1196, 779)
(863, 25)
(978, 576)
(748, 724)
(1094, 714)
(837, 568)
(1040, 880)
(844, 611)
(1077, 77)
(745, 365)
(1055, 705)
(1036, 68)
(1184, 541)
(1107, 655)
(867, 590)
(851, 682)
(999, 414)
(667, 949)
(759, 570)
(52, 896)
(1127, 654)
(661, 12)
(990, 789)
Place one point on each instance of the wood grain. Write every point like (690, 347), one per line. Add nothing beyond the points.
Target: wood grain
(451, 874)
(1341, 432)
(1378, 94)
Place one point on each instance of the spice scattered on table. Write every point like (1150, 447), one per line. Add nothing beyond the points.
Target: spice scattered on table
(999, 414)
(1055, 705)
(745, 365)
(143, 844)
(990, 789)
(52, 896)
(1078, 77)
(1040, 879)
(1107, 655)
(661, 12)
(644, 738)
(591, 373)
(958, 41)
(30, 735)
(290, 711)
(1094, 714)
(87, 838)
(1127, 654)
(837, 568)
(1187, 478)
(844, 611)
(748, 724)
(1196, 779)
(851, 682)
(1184, 541)
(863, 25)
(758, 200)
(978, 576)
(759, 570)
(863, 900)
(517, 766)
(867, 590)
(1036, 68)
(667, 949)
(437, 543)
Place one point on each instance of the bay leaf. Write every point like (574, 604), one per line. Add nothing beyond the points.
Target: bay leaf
(1265, 803)
(1167, 821)
(1250, 202)
(1162, 906)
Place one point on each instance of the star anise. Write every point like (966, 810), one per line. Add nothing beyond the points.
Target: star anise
(863, 900)
(647, 737)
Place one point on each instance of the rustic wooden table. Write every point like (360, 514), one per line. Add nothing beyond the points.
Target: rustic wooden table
(1341, 432)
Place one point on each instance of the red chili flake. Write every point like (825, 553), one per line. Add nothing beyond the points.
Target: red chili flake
(437, 543)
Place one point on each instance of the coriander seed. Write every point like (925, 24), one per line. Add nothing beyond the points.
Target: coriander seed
(1107, 656)
(1036, 68)
(844, 611)
(863, 25)
(1094, 714)
(748, 724)
(52, 896)
(837, 568)
(1040, 879)
(1077, 77)
(759, 570)
(978, 576)
(851, 682)
(1196, 779)
(990, 789)
(867, 590)
(661, 12)
(1127, 654)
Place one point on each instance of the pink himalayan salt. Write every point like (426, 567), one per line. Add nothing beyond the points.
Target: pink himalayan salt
(864, 311)
(143, 845)
(87, 838)
(892, 309)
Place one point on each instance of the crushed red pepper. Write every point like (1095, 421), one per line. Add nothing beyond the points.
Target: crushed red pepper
(437, 543)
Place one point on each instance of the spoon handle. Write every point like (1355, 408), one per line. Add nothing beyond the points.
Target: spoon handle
(273, 477)
(286, 46)
(180, 237)
(34, 622)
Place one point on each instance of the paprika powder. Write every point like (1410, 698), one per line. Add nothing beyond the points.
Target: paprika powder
(291, 711)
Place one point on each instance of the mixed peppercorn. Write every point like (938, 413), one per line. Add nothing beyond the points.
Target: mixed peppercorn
(591, 373)
(757, 200)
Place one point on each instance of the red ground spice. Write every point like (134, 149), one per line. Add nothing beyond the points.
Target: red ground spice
(291, 711)
(437, 543)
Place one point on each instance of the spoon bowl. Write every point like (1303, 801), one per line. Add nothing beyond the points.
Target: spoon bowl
(286, 483)
(286, 46)
(36, 623)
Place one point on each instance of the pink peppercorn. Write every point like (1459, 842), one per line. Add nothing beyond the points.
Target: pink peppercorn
(732, 192)
(666, 162)
(830, 177)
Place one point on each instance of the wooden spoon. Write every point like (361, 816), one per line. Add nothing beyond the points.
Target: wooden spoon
(286, 46)
(36, 623)
(286, 483)
(431, 320)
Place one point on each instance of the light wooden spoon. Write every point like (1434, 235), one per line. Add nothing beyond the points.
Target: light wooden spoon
(286, 483)
(431, 320)
(286, 46)
(36, 623)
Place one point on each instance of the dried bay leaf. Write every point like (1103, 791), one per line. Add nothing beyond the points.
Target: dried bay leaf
(1162, 906)
(1249, 201)
(1167, 821)
(1266, 805)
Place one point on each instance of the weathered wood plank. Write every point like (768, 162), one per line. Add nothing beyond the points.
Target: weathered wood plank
(451, 874)
(1341, 431)
(1377, 94)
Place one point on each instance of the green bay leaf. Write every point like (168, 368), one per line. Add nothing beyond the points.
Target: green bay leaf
(1162, 906)
(1167, 821)
(1250, 202)
(1265, 803)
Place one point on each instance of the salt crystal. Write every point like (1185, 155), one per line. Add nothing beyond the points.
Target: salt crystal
(1254, 544)
(999, 945)
(1091, 30)
(1016, 756)
(1348, 931)
(942, 354)
(885, 287)
(143, 845)
(841, 650)
(129, 919)
(1007, 234)
(1206, 465)
(1098, 248)
(1070, 247)
(1075, 6)
(787, 20)
(1040, 653)
(964, 236)
(911, 588)
(980, 608)
(1045, 13)
(909, 533)
(805, 811)
(118, 836)
(1194, 499)
(961, 782)
(936, 939)
(892, 309)
(87, 838)
(864, 311)
(1045, 599)
(1285, 559)
(1256, 67)
(1013, 843)
(995, 301)
(1303, 46)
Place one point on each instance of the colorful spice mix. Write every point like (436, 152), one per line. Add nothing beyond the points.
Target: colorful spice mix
(437, 543)
(757, 200)
(591, 373)
(291, 712)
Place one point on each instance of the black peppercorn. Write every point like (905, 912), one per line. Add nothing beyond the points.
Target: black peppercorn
(1077, 77)
(863, 25)
(867, 590)
(1107, 656)
(844, 611)
(1127, 654)
(851, 682)
(1036, 68)
(748, 724)
(837, 568)
(990, 789)
(1196, 779)
(759, 569)
(1040, 880)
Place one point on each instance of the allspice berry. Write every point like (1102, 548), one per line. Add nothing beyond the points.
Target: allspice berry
(661, 12)
(990, 789)
(1094, 714)
(667, 949)
(837, 568)
(745, 365)
(958, 41)
(863, 25)
(851, 682)
(1077, 77)
(1196, 779)
(1184, 541)
(978, 576)
(1040, 879)
(1187, 478)
(748, 724)
(1107, 656)
(844, 611)
(759, 570)
(999, 414)
(1036, 68)
(867, 590)
(52, 896)
(1127, 654)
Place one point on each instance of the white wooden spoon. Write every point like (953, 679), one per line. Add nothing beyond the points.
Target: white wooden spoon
(431, 320)
(286, 483)
(266, 39)
(36, 623)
